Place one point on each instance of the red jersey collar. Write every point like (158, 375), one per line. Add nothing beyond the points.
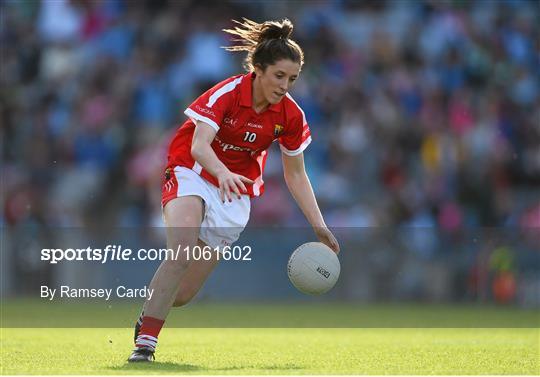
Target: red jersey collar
(246, 97)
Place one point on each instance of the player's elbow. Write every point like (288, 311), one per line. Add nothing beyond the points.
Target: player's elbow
(199, 147)
(195, 151)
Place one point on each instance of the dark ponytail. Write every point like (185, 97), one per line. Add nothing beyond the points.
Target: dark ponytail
(275, 30)
(265, 43)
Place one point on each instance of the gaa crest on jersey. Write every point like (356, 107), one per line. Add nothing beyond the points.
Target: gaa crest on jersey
(278, 129)
(230, 122)
(168, 174)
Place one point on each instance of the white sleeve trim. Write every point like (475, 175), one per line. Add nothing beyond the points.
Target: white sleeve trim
(296, 151)
(299, 108)
(196, 116)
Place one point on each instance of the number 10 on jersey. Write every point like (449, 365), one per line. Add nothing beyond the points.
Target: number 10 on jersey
(250, 136)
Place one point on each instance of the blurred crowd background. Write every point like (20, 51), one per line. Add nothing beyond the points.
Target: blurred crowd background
(424, 114)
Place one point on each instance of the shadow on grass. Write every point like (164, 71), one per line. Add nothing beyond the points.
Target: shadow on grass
(178, 367)
(156, 365)
(259, 367)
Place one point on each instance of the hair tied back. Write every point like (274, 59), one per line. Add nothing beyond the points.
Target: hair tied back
(275, 30)
(265, 42)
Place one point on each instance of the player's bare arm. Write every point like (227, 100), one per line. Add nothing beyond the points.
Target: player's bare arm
(300, 188)
(203, 153)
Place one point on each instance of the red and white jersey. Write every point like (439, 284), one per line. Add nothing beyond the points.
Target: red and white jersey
(243, 136)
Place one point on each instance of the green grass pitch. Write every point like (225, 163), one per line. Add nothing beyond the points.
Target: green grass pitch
(284, 351)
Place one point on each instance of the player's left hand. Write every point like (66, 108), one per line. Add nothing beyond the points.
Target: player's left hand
(326, 237)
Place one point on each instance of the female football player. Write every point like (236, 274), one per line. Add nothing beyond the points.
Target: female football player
(215, 166)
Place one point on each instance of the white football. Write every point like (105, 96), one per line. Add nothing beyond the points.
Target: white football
(313, 268)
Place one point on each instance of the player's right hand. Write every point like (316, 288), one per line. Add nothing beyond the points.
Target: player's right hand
(230, 182)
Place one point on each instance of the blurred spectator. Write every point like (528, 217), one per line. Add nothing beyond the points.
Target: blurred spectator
(423, 112)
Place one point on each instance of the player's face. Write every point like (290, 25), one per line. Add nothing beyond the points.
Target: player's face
(277, 79)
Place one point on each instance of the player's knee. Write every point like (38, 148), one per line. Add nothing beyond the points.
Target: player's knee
(180, 265)
(183, 297)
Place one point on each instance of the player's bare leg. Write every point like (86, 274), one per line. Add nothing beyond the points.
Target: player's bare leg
(194, 278)
(183, 217)
(190, 284)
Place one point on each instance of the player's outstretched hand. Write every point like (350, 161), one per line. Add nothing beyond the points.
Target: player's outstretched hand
(326, 237)
(230, 182)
